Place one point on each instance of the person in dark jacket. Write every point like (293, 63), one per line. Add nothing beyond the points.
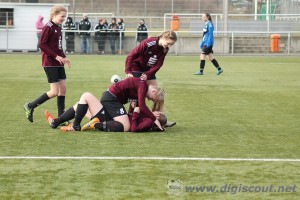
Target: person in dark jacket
(141, 31)
(113, 29)
(120, 43)
(100, 34)
(85, 25)
(69, 25)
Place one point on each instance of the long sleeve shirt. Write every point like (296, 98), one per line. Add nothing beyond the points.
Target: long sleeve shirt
(51, 45)
(148, 57)
(208, 35)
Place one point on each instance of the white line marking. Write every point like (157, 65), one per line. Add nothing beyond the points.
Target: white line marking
(144, 158)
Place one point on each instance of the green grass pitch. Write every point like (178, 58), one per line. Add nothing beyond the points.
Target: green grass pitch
(250, 111)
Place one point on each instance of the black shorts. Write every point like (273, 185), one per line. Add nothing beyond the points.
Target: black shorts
(206, 50)
(55, 74)
(102, 115)
(138, 74)
(112, 105)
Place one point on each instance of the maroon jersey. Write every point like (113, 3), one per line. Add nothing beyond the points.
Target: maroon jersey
(139, 122)
(132, 88)
(147, 57)
(51, 45)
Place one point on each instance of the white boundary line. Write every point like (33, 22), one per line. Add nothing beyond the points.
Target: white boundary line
(144, 158)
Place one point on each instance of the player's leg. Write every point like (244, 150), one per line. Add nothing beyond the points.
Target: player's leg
(62, 92)
(52, 76)
(215, 62)
(203, 55)
(115, 110)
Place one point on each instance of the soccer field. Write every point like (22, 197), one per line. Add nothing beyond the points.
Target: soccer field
(237, 134)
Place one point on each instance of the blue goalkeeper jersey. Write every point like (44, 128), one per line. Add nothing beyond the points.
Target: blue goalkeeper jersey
(208, 35)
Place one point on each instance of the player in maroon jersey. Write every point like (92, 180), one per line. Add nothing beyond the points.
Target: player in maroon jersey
(148, 57)
(100, 120)
(141, 123)
(111, 103)
(53, 61)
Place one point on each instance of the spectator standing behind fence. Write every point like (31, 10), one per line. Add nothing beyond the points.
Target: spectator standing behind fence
(39, 25)
(69, 25)
(85, 25)
(141, 31)
(113, 34)
(100, 35)
(121, 25)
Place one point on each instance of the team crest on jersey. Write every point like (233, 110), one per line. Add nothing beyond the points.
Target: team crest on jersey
(152, 60)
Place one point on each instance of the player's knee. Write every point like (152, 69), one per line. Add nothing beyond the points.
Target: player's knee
(62, 91)
(85, 96)
(53, 93)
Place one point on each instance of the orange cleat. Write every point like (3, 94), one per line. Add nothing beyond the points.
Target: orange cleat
(91, 124)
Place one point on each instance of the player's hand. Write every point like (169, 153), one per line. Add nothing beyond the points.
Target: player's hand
(129, 75)
(157, 123)
(156, 114)
(60, 59)
(143, 77)
(136, 109)
(133, 103)
(68, 62)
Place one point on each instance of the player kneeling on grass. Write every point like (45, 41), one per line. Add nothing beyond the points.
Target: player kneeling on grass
(112, 102)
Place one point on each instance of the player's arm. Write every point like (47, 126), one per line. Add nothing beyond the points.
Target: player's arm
(140, 125)
(142, 91)
(135, 53)
(210, 37)
(44, 43)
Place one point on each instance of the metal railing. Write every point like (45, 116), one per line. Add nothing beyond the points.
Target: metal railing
(227, 43)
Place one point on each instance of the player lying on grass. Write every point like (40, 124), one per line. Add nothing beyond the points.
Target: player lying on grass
(112, 102)
(101, 121)
(141, 123)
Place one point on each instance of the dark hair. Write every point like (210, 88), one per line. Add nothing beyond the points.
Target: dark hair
(208, 16)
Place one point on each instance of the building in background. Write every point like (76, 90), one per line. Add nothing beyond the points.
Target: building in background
(17, 25)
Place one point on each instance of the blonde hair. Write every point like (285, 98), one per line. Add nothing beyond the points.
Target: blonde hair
(169, 35)
(158, 105)
(55, 10)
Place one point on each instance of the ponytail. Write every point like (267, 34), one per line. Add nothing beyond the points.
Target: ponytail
(168, 34)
